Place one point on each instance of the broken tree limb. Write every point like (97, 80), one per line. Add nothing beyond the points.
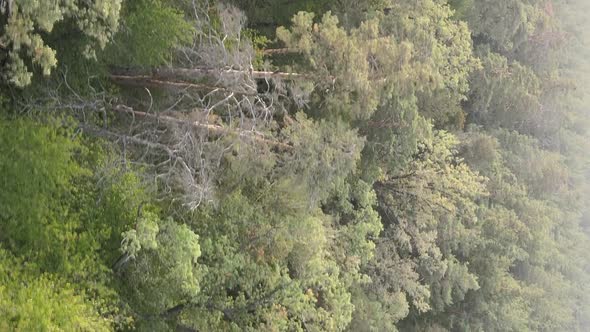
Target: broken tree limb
(101, 132)
(285, 50)
(216, 130)
(198, 72)
(147, 81)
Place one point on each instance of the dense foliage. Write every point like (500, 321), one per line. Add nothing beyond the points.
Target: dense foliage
(304, 165)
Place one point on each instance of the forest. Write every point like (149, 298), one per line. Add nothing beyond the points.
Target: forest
(295, 165)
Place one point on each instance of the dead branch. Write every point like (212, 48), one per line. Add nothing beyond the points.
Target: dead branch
(148, 81)
(197, 72)
(210, 128)
(285, 50)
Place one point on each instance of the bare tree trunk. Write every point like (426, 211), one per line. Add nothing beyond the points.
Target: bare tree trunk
(149, 81)
(195, 73)
(216, 130)
(101, 132)
(282, 51)
(120, 263)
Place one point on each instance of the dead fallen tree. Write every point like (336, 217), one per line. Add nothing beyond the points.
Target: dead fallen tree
(212, 129)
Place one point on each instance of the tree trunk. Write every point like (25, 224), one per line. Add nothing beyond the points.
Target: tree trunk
(282, 51)
(216, 130)
(148, 81)
(199, 72)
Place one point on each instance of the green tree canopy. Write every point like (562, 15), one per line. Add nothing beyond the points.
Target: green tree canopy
(24, 23)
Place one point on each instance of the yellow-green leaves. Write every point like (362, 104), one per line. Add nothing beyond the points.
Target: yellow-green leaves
(28, 20)
(385, 56)
(144, 236)
(164, 270)
(31, 301)
(152, 31)
(299, 35)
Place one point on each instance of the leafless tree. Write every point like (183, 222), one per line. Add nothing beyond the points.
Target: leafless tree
(208, 101)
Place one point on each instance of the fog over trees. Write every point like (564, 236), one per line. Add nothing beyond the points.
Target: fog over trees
(302, 165)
